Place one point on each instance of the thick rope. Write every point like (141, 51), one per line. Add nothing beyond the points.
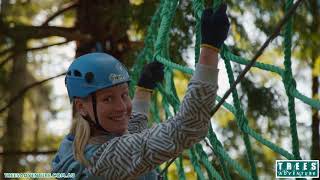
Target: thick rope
(170, 101)
(241, 120)
(290, 83)
(204, 159)
(195, 163)
(179, 165)
(197, 9)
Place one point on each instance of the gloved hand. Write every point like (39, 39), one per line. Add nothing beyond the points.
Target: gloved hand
(214, 27)
(151, 74)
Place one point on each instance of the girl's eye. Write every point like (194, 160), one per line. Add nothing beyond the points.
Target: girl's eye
(107, 99)
(125, 95)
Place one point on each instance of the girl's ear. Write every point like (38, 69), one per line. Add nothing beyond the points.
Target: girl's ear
(80, 107)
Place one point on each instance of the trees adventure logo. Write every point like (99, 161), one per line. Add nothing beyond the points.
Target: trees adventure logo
(297, 168)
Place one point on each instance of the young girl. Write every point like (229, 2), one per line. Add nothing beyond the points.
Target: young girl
(109, 138)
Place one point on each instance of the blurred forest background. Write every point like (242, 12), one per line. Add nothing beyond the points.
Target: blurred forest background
(39, 39)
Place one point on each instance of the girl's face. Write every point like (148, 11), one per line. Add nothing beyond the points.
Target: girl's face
(113, 108)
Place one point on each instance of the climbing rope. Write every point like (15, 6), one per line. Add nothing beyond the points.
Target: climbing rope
(157, 46)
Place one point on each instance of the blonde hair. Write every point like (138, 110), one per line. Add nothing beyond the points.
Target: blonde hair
(81, 130)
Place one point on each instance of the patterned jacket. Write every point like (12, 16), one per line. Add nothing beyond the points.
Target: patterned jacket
(132, 155)
(135, 155)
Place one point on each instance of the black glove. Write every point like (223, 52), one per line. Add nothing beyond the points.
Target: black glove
(151, 74)
(214, 26)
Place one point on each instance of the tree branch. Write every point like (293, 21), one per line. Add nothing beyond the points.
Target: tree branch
(25, 90)
(39, 32)
(32, 49)
(46, 46)
(5, 51)
(64, 9)
(5, 61)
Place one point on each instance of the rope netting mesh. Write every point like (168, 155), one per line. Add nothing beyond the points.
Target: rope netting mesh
(157, 48)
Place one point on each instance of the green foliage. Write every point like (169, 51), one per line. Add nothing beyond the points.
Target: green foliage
(24, 12)
(263, 104)
(37, 102)
(135, 16)
(262, 101)
(132, 19)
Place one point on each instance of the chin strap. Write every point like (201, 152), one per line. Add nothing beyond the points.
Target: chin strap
(95, 123)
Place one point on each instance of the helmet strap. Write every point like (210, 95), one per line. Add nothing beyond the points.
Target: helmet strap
(94, 106)
(91, 123)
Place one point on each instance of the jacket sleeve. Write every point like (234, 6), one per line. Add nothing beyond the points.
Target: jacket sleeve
(138, 122)
(129, 156)
(139, 116)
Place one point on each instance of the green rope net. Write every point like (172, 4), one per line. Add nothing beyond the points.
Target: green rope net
(156, 47)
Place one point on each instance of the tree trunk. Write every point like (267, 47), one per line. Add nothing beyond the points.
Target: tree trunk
(315, 147)
(3, 7)
(33, 166)
(97, 18)
(14, 122)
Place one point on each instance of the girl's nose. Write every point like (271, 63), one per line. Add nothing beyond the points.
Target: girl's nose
(120, 105)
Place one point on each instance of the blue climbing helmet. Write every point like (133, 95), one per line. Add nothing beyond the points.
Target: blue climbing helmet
(92, 72)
